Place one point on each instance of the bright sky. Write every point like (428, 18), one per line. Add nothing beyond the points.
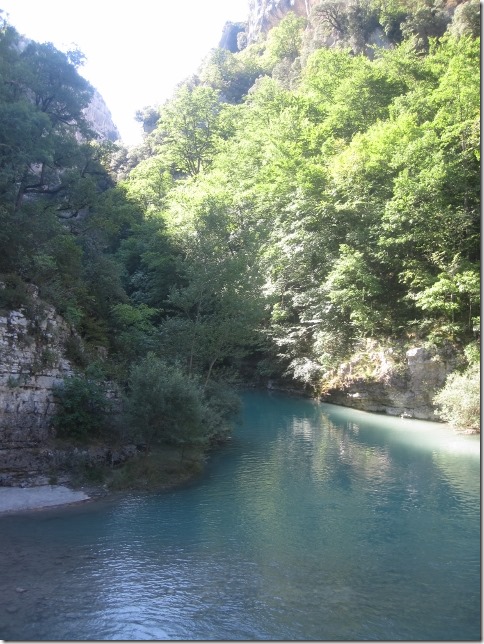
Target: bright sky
(136, 52)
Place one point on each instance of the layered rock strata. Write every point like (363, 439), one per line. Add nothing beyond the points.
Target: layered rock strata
(405, 390)
(33, 362)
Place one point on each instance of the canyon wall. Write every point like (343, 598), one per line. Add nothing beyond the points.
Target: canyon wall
(32, 363)
(377, 382)
(265, 14)
(100, 119)
(34, 341)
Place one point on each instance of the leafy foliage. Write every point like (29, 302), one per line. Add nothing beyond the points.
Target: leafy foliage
(459, 402)
(188, 129)
(165, 406)
(82, 408)
(290, 201)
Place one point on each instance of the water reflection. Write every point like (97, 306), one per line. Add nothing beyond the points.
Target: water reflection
(315, 523)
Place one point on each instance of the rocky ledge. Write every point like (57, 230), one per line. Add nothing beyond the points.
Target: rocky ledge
(398, 388)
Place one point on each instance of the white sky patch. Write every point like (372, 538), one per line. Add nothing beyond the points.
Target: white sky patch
(136, 52)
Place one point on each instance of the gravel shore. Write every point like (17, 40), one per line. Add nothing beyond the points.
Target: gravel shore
(14, 499)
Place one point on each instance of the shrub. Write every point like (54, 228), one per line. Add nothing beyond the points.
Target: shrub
(222, 406)
(163, 404)
(13, 292)
(82, 408)
(458, 401)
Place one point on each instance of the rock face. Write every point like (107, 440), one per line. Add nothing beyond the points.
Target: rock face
(265, 14)
(230, 32)
(32, 363)
(405, 391)
(100, 119)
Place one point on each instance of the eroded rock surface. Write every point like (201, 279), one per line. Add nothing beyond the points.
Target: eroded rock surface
(32, 363)
(405, 390)
(266, 14)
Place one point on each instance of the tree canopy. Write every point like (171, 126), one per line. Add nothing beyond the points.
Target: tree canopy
(288, 202)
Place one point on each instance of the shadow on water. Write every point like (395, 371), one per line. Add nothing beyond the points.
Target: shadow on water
(314, 522)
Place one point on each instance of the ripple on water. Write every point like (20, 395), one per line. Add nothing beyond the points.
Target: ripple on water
(314, 524)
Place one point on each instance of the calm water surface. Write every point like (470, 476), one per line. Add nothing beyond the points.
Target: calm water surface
(315, 523)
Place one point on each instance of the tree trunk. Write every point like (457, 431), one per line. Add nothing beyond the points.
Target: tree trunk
(209, 373)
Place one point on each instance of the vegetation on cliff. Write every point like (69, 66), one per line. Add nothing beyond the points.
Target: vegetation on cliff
(289, 202)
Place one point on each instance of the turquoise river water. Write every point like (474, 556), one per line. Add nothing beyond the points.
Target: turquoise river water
(315, 523)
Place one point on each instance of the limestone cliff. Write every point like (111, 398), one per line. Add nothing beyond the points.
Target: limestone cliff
(34, 341)
(100, 119)
(229, 38)
(32, 362)
(376, 380)
(265, 14)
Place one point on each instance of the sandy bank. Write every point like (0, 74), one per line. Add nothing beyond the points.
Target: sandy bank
(13, 499)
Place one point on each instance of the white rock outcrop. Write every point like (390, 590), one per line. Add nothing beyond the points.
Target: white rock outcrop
(265, 14)
(32, 363)
(100, 119)
(403, 388)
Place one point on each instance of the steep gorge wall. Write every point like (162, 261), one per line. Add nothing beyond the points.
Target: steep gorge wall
(99, 117)
(32, 363)
(403, 388)
(265, 14)
(33, 342)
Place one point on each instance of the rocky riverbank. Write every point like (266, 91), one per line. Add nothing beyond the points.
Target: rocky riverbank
(164, 468)
(393, 381)
(35, 343)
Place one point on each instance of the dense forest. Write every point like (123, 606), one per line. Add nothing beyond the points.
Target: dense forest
(288, 204)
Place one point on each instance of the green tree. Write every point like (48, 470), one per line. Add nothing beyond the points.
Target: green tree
(149, 183)
(428, 20)
(133, 332)
(163, 404)
(82, 407)
(352, 287)
(232, 74)
(188, 129)
(42, 108)
(216, 309)
(149, 261)
(285, 40)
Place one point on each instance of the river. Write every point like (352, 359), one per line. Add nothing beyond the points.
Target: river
(315, 523)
